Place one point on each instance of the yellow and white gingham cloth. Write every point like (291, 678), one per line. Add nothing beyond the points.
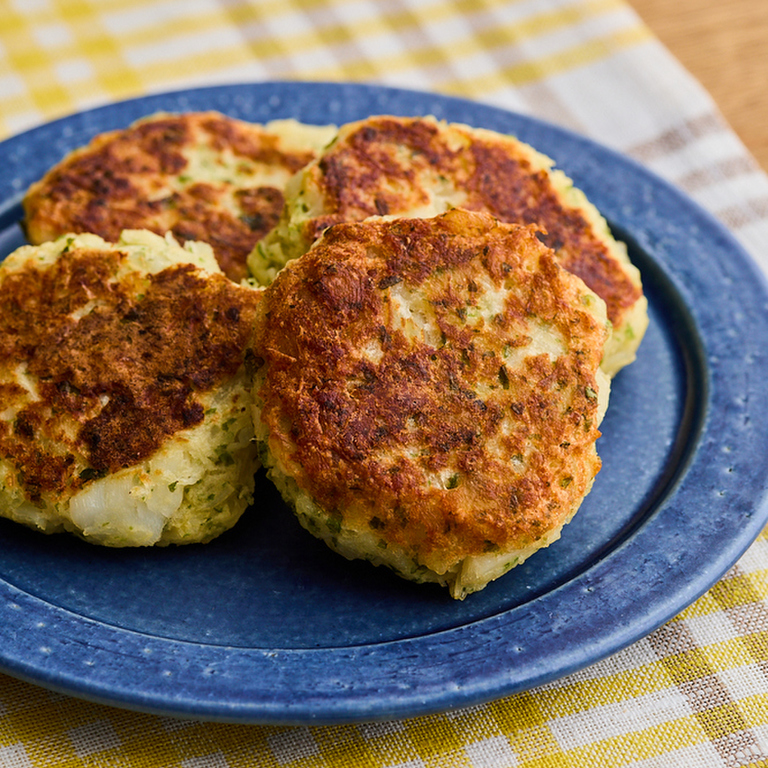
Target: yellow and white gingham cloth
(694, 694)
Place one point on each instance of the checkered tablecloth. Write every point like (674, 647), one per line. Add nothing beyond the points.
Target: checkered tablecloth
(694, 694)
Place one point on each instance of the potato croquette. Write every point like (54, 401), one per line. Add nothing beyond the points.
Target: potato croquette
(200, 175)
(124, 408)
(428, 393)
(406, 166)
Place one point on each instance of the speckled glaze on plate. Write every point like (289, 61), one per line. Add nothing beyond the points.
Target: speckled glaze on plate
(265, 625)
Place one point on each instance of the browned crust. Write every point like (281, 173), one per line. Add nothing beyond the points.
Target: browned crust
(151, 345)
(379, 167)
(134, 179)
(364, 437)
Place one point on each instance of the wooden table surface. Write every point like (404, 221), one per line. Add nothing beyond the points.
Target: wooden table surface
(724, 44)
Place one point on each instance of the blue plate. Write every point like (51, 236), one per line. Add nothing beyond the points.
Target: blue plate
(265, 625)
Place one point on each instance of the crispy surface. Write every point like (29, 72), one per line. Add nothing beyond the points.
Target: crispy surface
(435, 382)
(201, 176)
(418, 166)
(103, 364)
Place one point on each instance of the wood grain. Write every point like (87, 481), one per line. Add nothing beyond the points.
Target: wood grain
(724, 44)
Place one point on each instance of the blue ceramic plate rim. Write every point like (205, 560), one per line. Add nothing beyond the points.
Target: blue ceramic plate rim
(672, 558)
